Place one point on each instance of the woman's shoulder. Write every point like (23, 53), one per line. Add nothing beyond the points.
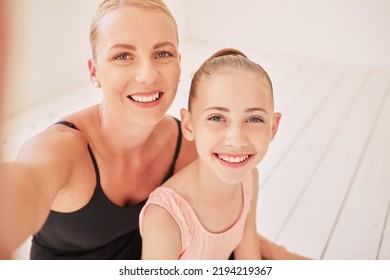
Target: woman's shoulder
(82, 118)
(170, 126)
(63, 136)
(187, 154)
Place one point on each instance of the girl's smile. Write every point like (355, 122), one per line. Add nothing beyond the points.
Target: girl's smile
(232, 161)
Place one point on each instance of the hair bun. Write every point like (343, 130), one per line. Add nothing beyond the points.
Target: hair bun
(227, 51)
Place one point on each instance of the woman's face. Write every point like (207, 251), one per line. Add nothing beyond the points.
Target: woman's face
(137, 63)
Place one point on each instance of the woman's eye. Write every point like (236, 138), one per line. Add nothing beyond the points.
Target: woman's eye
(255, 120)
(215, 118)
(163, 54)
(123, 56)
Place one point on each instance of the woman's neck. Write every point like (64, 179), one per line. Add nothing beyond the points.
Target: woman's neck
(120, 136)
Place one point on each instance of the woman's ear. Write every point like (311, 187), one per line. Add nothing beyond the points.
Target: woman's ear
(186, 125)
(91, 68)
(275, 124)
(92, 73)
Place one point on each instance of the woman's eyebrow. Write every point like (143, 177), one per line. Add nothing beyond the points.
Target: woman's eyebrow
(132, 47)
(123, 46)
(163, 44)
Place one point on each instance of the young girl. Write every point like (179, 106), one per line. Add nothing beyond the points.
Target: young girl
(208, 210)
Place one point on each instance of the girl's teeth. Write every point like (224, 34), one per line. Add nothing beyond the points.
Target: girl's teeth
(233, 159)
(145, 99)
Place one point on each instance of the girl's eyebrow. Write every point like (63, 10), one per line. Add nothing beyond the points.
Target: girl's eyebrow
(250, 110)
(224, 109)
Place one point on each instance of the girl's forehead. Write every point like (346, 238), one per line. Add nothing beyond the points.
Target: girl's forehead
(242, 82)
(238, 89)
(236, 76)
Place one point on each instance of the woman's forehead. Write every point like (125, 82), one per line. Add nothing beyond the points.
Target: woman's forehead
(128, 21)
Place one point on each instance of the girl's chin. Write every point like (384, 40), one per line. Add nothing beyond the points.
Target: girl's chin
(232, 177)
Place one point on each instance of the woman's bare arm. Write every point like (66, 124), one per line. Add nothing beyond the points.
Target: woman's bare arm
(29, 185)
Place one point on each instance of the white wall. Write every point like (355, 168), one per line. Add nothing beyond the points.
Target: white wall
(49, 49)
(354, 32)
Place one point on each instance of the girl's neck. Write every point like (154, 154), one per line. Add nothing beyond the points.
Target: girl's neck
(209, 184)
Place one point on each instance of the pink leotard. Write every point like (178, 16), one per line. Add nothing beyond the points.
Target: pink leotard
(197, 242)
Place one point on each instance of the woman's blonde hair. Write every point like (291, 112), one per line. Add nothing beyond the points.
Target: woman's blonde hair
(222, 60)
(108, 6)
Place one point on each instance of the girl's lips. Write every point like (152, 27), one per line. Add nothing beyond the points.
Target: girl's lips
(234, 161)
(144, 99)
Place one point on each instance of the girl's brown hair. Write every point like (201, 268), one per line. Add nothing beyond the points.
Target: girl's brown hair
(225, 59)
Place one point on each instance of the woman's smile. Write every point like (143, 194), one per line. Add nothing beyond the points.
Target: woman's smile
(146, 99)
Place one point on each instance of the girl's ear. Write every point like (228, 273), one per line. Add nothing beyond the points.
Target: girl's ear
(186, 125)
(275, 124)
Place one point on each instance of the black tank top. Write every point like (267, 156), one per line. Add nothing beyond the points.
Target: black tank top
(99, 230)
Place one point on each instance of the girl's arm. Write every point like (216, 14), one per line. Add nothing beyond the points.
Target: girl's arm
(161, 238)
(249, 248)
(29, 185)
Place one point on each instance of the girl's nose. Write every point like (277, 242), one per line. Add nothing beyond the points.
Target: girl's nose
(146, 73)
(236, 137)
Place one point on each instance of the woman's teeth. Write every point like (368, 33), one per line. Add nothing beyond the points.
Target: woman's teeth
(145, 99)
(233, 159)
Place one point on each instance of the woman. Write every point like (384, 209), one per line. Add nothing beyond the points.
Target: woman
(79, 185)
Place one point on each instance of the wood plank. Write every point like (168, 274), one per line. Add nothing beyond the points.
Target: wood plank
(280, 189)
(309, 226)
(303, 219)
(384, 249)
(280, 68)
(363, 215)
(289, 91)
(285, 95)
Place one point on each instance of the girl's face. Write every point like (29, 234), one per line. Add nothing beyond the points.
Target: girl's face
(137, 63)
(232, 122)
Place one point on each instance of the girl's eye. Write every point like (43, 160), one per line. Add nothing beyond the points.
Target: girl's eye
(215, 118)
(255, 120)
(163, 54)
(123, 56)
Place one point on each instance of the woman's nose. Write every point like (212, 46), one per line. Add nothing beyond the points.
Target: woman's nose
(146, 73)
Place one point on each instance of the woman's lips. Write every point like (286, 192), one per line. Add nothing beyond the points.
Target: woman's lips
(146, 99)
